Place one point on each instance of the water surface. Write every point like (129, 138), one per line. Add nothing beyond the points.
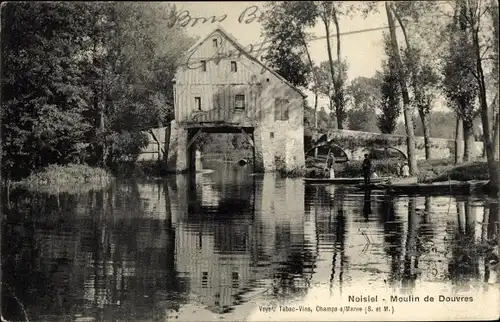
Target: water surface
(228, 244)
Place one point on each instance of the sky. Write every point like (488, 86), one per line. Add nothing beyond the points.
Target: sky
(363, 51)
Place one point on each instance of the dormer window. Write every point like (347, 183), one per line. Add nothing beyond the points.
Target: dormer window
(234, 67)
(203, 65)
(215, 42)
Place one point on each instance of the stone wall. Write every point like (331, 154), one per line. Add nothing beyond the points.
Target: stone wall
(355, 144)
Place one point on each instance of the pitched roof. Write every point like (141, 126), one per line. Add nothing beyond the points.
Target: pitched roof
(238, 46)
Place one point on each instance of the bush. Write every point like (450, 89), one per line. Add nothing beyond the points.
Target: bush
(68, 174)
(470, 171)
(383, 168)
(71, 178)
(126, 148)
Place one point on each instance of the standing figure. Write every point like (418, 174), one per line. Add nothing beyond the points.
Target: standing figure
(367, 167)
(330, 162)
(406, 170)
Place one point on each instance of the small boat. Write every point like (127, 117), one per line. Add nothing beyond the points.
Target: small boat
(345, 180)
(439, 188)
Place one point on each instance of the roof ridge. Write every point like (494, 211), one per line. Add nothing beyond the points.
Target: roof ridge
(240, 47)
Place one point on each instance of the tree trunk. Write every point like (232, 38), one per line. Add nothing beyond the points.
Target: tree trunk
(459, 141)
(496, 132)
(493, 167)
(469, 141)
(330, 61)
(339, 88)
(316, 80)
(410, 133)
(166, 144)
(316, 118)
(425, 127)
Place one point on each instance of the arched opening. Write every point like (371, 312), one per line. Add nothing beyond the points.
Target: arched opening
(386, 153)
(323, 149)
(218, 146)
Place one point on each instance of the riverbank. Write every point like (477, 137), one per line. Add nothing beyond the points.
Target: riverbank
(429, 170)
(436, 171)
(69, 178)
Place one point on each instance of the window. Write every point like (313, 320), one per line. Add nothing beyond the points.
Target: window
(235, 280)
(197, 103)
(239, 102)
(280, 109)
(234, 67)
(214, 42)
(204, 279)
(203, 65)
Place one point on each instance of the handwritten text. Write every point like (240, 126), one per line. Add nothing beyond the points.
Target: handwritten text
(249, 15)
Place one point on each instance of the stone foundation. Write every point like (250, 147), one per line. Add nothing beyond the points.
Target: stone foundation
(277, 147)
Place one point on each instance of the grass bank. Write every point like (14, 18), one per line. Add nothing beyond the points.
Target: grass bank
(71, 178)
(429, 170)
(435, 171)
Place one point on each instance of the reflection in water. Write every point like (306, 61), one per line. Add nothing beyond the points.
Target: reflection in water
(367, 204)
(464, 264)
(146, 251)
(412, 249)
(393, 237)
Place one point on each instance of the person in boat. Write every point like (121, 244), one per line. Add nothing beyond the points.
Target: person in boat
(330, 162)
(367, 167)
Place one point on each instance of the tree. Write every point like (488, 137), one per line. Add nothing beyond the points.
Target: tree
(81, 72)
(326, 88)
(284, 27)
(361, 95)
(459, 83)
(44, 96)
(418, 23)
(390, 94)
(475, 15)
(285, 24)
(424, 82)
(402, 79)
(328, 12)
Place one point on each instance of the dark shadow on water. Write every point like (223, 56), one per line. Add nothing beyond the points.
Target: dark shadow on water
(101, 254)
(393, 237)
(140, 251)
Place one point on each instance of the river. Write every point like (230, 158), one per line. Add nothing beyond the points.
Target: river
(236, 246)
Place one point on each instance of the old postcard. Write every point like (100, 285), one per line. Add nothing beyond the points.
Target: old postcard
(250, 161)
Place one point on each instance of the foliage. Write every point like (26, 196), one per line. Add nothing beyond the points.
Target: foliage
(469, 171)
(390, 94)
(70, 174)
(126, 146)
(362, 119)
(423, 79)
(324, 119)
(386, 167)
(284, 27)
(42, 91)
(361, 94)
(327, 87)
(459, 83)
(83, 73)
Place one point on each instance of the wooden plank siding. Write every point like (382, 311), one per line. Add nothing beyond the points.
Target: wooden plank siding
(218, 85)
(217, 103)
